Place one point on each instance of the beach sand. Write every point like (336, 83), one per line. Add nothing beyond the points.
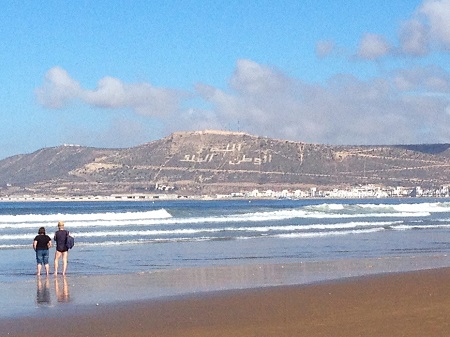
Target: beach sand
(401, 304)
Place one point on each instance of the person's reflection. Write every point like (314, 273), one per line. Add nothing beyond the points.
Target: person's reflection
(43, 291)
(62, 290)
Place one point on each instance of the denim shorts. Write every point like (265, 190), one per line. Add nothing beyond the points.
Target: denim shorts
(42, 256)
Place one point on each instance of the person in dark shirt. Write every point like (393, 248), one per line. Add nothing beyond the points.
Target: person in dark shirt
(61, 249)
(41, 244)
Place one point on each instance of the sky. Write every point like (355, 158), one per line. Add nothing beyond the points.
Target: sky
(118, 74)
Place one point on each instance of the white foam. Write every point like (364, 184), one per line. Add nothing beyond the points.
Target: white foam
(331, 233)
(81, 219)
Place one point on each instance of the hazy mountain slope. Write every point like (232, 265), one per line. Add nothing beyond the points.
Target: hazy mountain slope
(215, 161)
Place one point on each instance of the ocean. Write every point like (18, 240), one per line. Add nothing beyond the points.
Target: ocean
(121, 238)
(137, 236)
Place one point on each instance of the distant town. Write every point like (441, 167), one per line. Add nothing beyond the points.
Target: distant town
(214, 164)
(357, 192)
(366, 191)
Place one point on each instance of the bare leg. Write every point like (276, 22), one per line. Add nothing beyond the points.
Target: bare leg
(64, 258)
(39, 267)
(57, 256)
(47, 269)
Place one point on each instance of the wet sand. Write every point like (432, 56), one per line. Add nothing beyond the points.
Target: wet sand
(402, 304)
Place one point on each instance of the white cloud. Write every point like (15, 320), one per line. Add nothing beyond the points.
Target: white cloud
(414, 38)
(399, 108)
(425, 31)
(422, 79)
(429, 26)
(437, 13)
(403, 106)
(253, 78)
(373, 47)
(59, 89)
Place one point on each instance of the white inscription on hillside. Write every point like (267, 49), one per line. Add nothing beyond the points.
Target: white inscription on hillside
(198, 159)
(229, 148)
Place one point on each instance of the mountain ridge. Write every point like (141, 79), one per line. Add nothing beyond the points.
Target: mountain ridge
(215, 161)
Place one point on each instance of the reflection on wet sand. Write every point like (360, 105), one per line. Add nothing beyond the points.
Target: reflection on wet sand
(43, 293)
(102, 289)
(43, 296)
(62, 290)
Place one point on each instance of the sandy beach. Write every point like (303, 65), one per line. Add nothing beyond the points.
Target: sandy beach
(284, 268)
(400, 304)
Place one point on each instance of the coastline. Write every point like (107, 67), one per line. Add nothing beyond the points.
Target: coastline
(413, 303)
(173, 197)
(36, 296)
(106, 281)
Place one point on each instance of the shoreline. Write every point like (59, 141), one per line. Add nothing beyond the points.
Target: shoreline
(169, 197)
(413, 303)
(33, 296)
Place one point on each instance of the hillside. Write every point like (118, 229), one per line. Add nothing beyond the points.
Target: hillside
(205, 162)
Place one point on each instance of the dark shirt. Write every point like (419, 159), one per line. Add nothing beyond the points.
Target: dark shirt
(42, 241)
(60, 238)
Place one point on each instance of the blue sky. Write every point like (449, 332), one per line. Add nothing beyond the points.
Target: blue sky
(123, 73)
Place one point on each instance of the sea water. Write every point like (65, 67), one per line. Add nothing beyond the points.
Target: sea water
(120, 238)
(137, 236)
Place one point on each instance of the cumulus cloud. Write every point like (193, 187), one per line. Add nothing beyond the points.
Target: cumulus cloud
(437, 13)
(401, 106)
(404, 107)
(414, 38)
(428, 27)
(425, 31)
(429, 79)
(59, 90)
(373, 47)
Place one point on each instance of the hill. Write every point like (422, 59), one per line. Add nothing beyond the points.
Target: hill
(208, 162)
